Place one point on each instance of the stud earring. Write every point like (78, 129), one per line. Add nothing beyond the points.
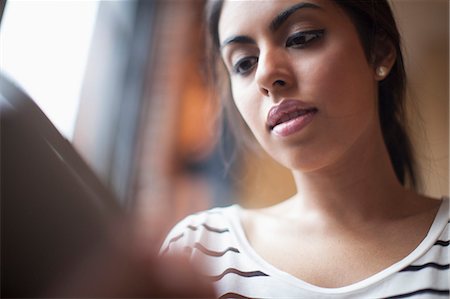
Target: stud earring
(382, 71)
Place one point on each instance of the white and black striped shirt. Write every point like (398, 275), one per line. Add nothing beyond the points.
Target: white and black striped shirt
(215, 240)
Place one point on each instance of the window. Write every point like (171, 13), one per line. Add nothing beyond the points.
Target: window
(44, 46)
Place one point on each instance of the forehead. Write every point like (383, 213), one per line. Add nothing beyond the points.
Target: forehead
(241, 15)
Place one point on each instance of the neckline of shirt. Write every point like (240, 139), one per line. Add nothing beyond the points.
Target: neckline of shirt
(440, 221)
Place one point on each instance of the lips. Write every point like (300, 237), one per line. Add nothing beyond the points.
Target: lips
(290, 116)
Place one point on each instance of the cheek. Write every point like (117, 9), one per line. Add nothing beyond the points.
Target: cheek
(248, 103)
(241, 101)
(245, 103)
(341, 81)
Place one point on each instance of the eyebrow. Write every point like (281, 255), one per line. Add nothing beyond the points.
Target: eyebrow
(276, 23)
(285, 14)
(239, 39)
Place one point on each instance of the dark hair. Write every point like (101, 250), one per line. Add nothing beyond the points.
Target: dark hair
(375, 24)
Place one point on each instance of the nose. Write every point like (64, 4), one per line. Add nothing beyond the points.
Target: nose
(274, 73)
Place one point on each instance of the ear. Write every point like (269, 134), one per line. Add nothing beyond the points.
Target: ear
(383, 57)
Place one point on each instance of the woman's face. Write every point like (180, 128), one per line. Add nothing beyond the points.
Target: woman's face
(300, 79)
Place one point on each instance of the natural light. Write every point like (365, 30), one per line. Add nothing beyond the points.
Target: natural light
(44, 47)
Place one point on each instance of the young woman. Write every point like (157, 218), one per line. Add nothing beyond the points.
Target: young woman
(320, 84)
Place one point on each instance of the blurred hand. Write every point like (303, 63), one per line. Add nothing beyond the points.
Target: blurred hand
(123, 271)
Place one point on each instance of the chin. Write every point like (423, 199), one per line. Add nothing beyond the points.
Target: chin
(303, 160)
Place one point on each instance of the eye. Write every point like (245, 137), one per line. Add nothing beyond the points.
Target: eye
(245, 65)
(302, 39)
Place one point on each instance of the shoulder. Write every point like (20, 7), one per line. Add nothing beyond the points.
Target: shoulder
(435, 245)
(200, 228)
(443, 217)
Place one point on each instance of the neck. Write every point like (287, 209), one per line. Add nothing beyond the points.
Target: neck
(361, 186)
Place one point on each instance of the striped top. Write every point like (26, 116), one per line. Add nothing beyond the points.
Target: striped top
(216, 240)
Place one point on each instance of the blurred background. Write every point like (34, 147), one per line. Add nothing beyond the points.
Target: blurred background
(123, 81)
